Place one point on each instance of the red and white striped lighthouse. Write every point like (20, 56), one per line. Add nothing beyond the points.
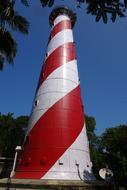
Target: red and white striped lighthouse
(56, 145)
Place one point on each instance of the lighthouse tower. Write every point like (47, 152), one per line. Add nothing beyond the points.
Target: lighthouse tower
(56, 145)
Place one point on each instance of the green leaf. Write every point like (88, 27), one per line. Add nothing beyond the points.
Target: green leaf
(104, 16)
(113, 18)
(51, 2)
(99, 14)
(109, 9)
(125, 3)
(8, 46)
(19, 23)
(1, 62)
(44, 2)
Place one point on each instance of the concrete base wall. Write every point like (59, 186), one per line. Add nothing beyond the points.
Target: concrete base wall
(30, 184)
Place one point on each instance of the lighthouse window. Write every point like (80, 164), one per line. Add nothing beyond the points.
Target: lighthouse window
(36, 102)
(47, 54)
(60, 163)
(50, 37)
(76, 163)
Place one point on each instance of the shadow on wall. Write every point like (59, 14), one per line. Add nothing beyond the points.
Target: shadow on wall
(88, 176)
(5, 170)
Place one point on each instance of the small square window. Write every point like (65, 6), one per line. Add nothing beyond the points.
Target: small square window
(36, 102)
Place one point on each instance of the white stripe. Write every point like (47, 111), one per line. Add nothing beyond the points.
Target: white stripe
(60, 18)
(58, 84)
(78, 153)
(65, 36)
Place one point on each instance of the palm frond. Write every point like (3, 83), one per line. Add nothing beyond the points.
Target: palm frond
(51, 2)
(44, 2)
(13, 19)
(8, 46)
(9, 17)
(1, 61)
(18, 23)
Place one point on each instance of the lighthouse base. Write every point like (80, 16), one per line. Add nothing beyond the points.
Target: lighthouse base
(30, 184)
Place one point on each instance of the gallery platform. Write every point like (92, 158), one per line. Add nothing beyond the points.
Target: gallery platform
(30, 184)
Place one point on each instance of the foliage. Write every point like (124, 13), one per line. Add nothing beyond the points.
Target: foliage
(8, 47)
(109, 150)
(10, 18)
(114, 141)
(12, 133)
(96, 154)
(99, 8)
(90, 128)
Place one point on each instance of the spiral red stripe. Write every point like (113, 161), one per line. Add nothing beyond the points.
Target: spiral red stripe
(60, 26)
(54, 61)
(53, 140)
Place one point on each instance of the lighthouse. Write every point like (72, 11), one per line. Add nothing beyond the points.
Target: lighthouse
(56, 145)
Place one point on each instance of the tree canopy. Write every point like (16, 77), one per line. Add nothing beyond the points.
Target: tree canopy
(11, 133)
(10, 19)
(113, 144)
(108, 150)
(99, 8)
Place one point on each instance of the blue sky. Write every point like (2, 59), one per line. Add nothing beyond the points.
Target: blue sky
(102, 62)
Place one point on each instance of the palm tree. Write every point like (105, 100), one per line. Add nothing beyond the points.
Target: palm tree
(9, 18)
